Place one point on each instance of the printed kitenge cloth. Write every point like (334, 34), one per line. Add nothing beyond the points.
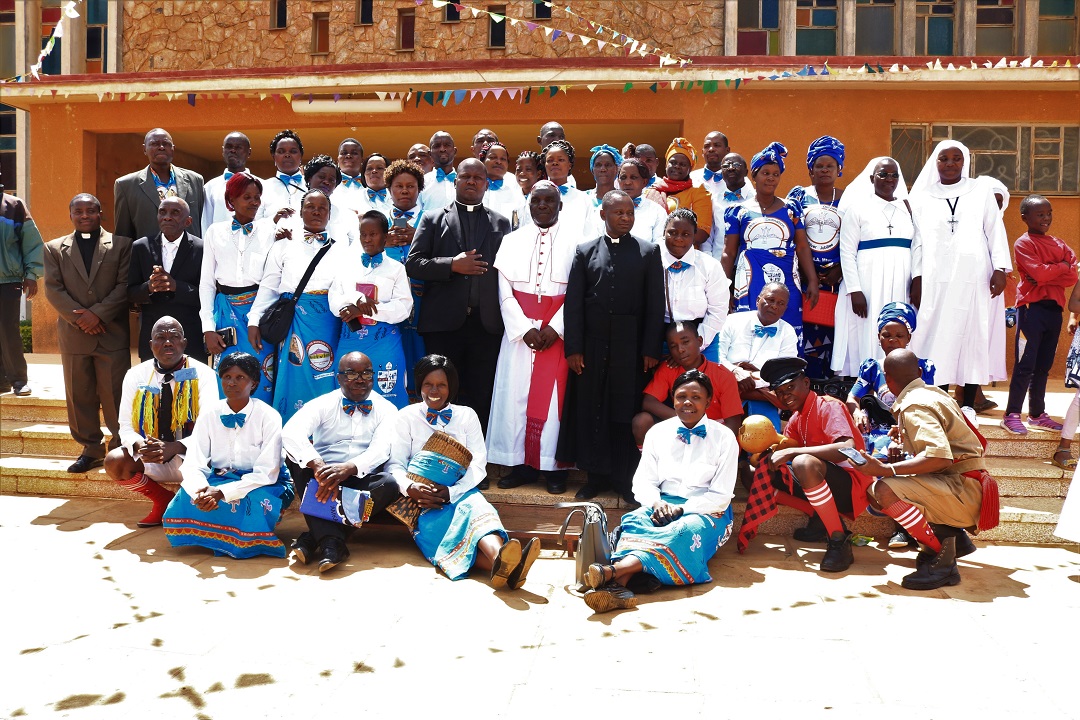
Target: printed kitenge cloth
(677, 553)
(412, 345)
(381, 342)
(307, 361)
(232, 311)
(240, 529)
(448, 536)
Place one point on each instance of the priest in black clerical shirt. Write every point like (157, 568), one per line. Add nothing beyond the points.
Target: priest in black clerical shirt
(452, 252)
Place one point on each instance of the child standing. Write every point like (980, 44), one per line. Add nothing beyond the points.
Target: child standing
(1047, 266)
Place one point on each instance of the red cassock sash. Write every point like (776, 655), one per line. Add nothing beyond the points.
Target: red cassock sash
(548, 374)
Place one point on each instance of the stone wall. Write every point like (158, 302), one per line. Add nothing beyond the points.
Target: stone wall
(204, 34)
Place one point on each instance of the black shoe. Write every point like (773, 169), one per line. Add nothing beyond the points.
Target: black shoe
(529, 553)
(85, 463)
(813, 532)
(901, 539)
(334, 552)
(556, 482)
(612, 596)
(20, 390)
(485, 484)
(838, 555)
(964, 546)
(628, 498)
(941, 570)
(588, 491)
(304, 548)
(518, 476)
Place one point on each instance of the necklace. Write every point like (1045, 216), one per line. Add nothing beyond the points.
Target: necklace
(762, 209)
(889, 216)
(952, 210)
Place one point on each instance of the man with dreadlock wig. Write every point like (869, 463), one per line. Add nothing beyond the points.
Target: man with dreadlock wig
(158, 406)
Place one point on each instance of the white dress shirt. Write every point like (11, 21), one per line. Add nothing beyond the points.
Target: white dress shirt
(145, 374)
(233, 259)
(437, 194)
(256, 445)
(413, 431)
(394, 300)
(169, 248)
(649, 220)
(702, 471)
(278, 194)
(538, 264)
(699, 293)
(214, 208)
(321, 429)
(288, 261)
(722, 199)
(506, 200)
(740, 343)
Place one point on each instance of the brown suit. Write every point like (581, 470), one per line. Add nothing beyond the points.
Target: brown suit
(94, 365)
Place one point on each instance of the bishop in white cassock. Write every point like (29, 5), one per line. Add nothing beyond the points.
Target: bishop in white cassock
(533, 265)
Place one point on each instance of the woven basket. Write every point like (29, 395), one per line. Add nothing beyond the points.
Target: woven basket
(405, 509)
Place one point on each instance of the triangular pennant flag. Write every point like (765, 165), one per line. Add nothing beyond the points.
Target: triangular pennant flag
(879, 69)
(440, 3)
(528, 95)
(514, 21)
(627, 86)
(70, 10)
(805, 71)
(774, 77)
(497, 17)
(988, 64)
(653, 87)
(459, 96)
(1068, 63)
(530, 26)
(541, 90)
(191, 99)
(512, 92)
(1037, 63)
(381, 95)
(459, 7)
(100, 96)
(814, 72)
(547, 31)
(337, 96)
(907, 69)
(1026, 62)
(727, 82)
(950, 67)
(615, 34)
(429, 98)
(276, 96)
(866, 67)
(475, 12)
(554, 90)
(626, 51)
(1002, 63)
(1012, 63)
(601, 43)
(446, 95)
(310, 98)
(937, 64)
(894, 68)
(634, 46)
(570, 35)
(584, 39)
(738, 81)
(393, 96)
(58, 31)
(824, 69)
(555, 34)
(498, 93)
(592, 88)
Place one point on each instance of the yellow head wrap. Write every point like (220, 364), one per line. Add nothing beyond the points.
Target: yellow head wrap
(682, 145)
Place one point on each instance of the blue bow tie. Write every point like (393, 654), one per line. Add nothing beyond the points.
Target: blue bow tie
(351, 182)
(319, 237)
(407, 214)
(293, 179)
(376, 194)
(684, 433)
(371, 260)
(730, 196)
(679, 266)
(246, 227)
(228, 174)
(434, 415)
(637, 201)
(495, 184)
(651, 181)
(350, 406)
(563, 189)
(761, 331)
(232, 421)
(710, 175)
(441, 175)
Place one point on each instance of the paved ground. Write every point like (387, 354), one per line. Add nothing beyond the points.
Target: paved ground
(102, 620)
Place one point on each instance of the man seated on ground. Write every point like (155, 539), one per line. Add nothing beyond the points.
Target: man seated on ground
(942, 488)
(684, 345)
(341, 438)
(158, 406)
(749, 339)
(820, 426)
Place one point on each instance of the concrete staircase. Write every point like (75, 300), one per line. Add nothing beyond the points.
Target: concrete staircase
(36, 448)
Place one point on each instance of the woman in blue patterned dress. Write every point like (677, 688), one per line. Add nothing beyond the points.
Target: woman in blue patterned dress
(763, 237)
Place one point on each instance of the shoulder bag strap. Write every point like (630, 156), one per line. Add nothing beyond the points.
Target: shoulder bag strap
(310, 269)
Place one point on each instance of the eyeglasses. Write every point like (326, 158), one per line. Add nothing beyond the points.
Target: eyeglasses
(352, 375)
(732, 166)
(881, 174)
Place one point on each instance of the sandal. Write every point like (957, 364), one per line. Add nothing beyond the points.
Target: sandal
(1068, 463)
(598, 575)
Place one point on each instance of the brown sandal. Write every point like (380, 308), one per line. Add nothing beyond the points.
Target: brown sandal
(598, 575)
(1067, 464)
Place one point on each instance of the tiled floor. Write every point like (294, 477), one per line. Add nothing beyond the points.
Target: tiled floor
(103, 620)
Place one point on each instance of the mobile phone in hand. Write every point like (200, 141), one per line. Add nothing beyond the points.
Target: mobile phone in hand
(853, 455)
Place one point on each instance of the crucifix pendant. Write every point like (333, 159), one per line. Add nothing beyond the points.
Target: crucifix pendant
(952, 211)
(952, 225)
(890, 228)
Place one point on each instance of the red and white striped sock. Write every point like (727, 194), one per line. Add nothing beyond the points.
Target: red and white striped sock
(821, 498)
(912, 519)
(136, 483)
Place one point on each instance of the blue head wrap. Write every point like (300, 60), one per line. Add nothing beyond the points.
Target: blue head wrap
(826, 145)
(774, 153)
(897, 312)
(613, 152)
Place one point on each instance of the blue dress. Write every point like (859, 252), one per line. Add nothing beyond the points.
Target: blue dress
(821, 222)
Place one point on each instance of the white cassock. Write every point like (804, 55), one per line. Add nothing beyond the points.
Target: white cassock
(575, 212)
(533, 269)
(956, 264)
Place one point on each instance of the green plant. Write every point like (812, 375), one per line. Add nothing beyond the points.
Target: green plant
(27, 336)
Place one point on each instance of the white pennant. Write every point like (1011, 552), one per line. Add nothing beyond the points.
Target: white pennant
(1002, 63)
(380, 95)
(475, 12)
(1026, 62)
(59, 31)
(512, 92)
(584, 39)
(601, 43)
(70, 10)
(894, 68)
(591, 87)
(547, 30)
(100, 96)
(497, 92)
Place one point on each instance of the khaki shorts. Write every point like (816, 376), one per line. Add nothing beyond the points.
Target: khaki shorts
(164, 472)
(946, 498)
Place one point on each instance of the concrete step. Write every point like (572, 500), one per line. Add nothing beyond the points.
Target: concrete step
(27, 437)
(33, 408)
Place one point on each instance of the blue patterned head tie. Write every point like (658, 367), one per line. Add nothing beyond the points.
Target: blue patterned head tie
(897, 312)
(600, 149)
(773, 153)
(826, 145)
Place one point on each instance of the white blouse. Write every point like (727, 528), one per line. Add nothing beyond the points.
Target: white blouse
(702, 471)
(256, 445)
(285, 268)
(394, 300)
(234, 259)
(506, 200)
(321, 429)
(413, 431)
(701, 292)
(278, 194)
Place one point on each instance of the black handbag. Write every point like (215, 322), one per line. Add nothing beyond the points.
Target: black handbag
(275, 323)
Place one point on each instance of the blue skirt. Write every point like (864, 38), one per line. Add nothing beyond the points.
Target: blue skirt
(381, 342)
(240, 529)
(307, 360)
(679, 552)
(232, 311)
(412, 345)
(448, 536)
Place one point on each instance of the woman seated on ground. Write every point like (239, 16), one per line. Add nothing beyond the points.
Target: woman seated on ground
(233, 489)
(685, 483)
(457, 527)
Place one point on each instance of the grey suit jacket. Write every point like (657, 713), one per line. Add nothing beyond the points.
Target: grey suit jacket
(102, 291)
(136, 201)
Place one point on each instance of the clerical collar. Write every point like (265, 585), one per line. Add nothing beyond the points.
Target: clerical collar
(613, 239)
(90, 236)
(469, 208)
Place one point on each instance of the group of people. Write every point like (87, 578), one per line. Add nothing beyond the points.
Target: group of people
(355, 308)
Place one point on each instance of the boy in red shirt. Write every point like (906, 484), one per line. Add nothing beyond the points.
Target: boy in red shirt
(684, 345)
(1047, 266)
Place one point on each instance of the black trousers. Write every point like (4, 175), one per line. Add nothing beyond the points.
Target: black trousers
(836, 477)
(1040, 325)
(381, 485)
(624, 456)
(12, 362)
(475, 353)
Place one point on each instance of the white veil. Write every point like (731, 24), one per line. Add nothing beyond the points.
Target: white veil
(930, 182)
(861, 187)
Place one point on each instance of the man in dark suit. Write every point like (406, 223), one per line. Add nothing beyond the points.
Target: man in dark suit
(86, 276)
(613, 317)
(138, 194)
(460, 316)
(164, 277)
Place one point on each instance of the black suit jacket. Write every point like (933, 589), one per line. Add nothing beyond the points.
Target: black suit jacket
(184, 306)
(439, 237)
